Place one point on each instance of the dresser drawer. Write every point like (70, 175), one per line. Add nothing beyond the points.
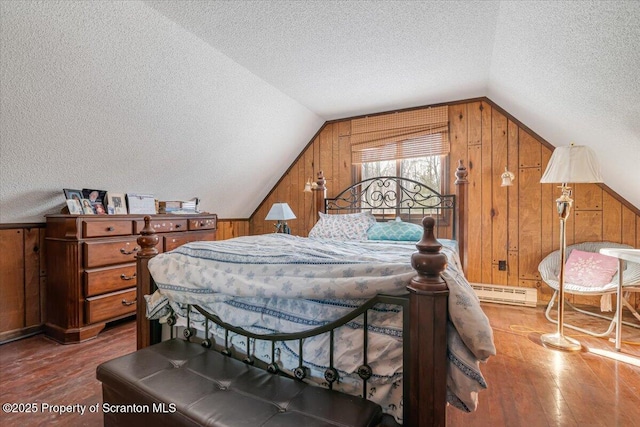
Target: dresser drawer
(172, 241)
(109, 306)
(109, 279)
(163, 225)
(202, 224)
(92, 266)
(107, 228)
(98, 254)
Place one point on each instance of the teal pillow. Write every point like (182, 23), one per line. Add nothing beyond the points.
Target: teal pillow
(395, 230)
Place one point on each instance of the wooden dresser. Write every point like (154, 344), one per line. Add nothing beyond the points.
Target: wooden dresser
(91, 270)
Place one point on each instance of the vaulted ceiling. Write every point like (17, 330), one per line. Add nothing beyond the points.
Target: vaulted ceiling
(569, 70)
(215, 99)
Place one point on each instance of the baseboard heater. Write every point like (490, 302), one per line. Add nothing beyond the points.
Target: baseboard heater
(511, 295)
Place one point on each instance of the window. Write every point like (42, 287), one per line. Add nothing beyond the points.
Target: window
(412, 144)
(428, 170)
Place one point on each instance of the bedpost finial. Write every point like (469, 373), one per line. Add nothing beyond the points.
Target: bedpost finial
(429, 262)
(320, 182)
(148, 239)
(428, 243)
(461, 173)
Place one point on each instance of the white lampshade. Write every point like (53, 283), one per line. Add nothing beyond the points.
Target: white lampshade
(280, 212)
(572, 164)
(507, 178)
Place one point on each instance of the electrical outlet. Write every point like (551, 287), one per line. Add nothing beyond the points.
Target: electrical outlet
(502, 265)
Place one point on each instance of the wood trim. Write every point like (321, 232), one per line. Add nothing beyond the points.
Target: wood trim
(16, 334)
(605, 187)
(402, 110)
(27, 225)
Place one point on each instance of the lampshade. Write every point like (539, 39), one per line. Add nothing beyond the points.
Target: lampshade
(507, 178)
(310, 185)
(280, 212)
(572, 164)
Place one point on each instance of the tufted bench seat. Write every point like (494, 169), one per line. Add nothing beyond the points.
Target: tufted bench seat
(203, 387)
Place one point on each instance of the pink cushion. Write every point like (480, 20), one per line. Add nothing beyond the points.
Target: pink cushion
(589, 269)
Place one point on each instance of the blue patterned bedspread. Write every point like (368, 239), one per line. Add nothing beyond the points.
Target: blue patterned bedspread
(282, 283)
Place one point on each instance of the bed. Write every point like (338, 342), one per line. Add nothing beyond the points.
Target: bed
(308, 307)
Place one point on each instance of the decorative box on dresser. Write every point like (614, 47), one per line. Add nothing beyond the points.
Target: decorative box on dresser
(91, 270)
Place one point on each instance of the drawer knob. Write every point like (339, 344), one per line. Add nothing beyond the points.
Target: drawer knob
(178, 225)
(128, 303)
(110, 228)
(125, 277)
(123, 251)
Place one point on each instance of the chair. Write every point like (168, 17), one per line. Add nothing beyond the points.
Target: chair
(549, 269)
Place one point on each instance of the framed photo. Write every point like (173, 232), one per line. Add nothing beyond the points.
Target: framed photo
(141, 203)
(87, 208)
(72, 194)
(75, 208)
(116, 203)
(95, 196)
(99, 208)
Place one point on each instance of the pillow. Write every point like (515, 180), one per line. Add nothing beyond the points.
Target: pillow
(395, 230)
(589, 269)
(343, 226)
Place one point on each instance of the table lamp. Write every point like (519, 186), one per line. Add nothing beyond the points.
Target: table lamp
(572, 164)
(281, 212)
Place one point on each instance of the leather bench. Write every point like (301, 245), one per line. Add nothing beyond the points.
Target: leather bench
(180, 383)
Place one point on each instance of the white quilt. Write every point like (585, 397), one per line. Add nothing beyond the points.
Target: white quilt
(282, 283)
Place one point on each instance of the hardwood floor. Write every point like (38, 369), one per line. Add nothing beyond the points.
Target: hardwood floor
(529, 385)
(39, 370)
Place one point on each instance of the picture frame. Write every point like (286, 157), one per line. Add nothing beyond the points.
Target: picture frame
(141, 203)
(72, 194)
(99, 208)
(74, 206)
(87, 207)
(116, 203)
(95, 196)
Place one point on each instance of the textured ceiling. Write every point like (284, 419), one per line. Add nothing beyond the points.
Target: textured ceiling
(216, 99)
(567, 69)
(346, 58)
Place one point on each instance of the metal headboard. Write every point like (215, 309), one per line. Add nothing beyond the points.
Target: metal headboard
(389, 197)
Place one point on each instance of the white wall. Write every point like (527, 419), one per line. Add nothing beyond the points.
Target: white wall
(582, 85)
(114, 96)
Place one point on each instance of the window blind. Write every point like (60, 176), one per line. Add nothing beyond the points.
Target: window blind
(405, 135)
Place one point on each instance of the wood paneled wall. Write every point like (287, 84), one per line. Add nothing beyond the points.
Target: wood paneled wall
(229, 228)
(519, 224)
(329, 151)
(515, 224)
(22, 280)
